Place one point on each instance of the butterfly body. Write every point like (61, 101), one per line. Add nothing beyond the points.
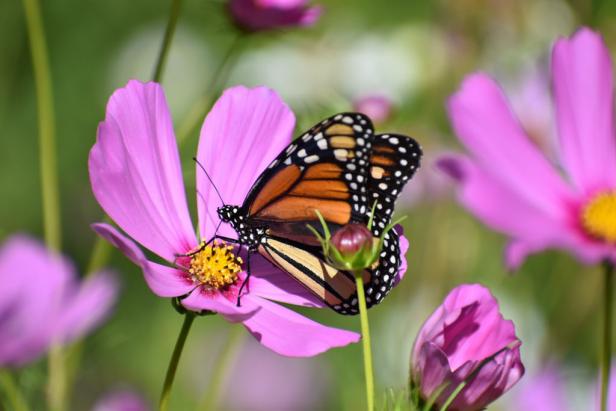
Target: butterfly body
(342, 169)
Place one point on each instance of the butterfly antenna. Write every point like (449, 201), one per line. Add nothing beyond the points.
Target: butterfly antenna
(210, 179)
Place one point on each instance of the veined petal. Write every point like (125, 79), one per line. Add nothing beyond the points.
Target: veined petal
(135, 171)
(242, 134)
(163, 281)
(584, 95)
(291, 334)
(484, 123)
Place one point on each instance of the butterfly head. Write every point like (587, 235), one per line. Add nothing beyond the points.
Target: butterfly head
(228, 213)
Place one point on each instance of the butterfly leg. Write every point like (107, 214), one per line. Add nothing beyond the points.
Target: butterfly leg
(248, 272)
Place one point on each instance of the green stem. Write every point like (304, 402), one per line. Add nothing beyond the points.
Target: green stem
(222, 367)
(46, 126)
(48, 169)
(365, 336)
(174, 14)
(14, 396)
(606, 359)
(201, 107)
(175, 359)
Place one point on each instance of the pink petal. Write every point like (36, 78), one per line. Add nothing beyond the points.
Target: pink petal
(163, 281)
(545, 391)
(485, 125)
(214, 301)
(584, 93)
(242, 134)
(502, 208)
(493, 379)
(35, 283)
(135, 171)
(404, 247)
(431, 368)
(267, 281)
(86, 309)
(291, 334)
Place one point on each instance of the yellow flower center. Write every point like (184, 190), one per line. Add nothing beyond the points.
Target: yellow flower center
(215, 266)
(599, 216)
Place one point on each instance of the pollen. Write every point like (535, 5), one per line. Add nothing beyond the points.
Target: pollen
(214, 266)
(599, 216)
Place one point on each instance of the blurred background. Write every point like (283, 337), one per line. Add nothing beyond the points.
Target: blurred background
(413, 55)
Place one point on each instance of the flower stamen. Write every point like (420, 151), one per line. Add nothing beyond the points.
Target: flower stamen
(214, 266)
(599, 216)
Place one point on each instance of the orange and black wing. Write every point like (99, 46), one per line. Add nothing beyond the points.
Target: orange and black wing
(325, 169)
(393, 161)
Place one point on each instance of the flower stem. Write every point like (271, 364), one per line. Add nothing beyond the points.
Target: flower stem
(14, 396)
(200, 108)
(174, 14)
(46, 126)
(175, 359)
(221, 368)
(48, 169)
(606, 357)
(365, 336)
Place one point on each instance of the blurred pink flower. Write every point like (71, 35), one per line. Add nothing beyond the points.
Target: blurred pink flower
(545, 391)
(41, 302)
(456, 341)
(511, 186)
(121, 400)
(377, 107)
(430, 184)
(269, 382)
(259, 15)
(136, 178)
(532, 104)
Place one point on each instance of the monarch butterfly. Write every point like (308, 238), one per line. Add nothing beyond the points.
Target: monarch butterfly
(340, 168)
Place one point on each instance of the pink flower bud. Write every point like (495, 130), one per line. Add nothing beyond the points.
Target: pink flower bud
(261, 15)
(352, 239)
(377, 107)
(466, 339)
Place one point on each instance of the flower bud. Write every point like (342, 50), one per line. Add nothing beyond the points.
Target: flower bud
(353, 248)
(352, 239)
(466, 340)
(378, 108)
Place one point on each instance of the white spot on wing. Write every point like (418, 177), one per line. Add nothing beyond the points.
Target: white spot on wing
(311, 159)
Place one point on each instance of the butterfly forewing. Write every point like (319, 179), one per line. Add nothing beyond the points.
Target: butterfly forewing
(393, 161)
(325, 169)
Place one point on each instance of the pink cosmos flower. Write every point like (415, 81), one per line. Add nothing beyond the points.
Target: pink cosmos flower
(41, 302)
(377, 107)
(136, 177)
(259, 15)
(511, 186)
(466, 339)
